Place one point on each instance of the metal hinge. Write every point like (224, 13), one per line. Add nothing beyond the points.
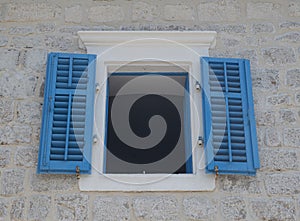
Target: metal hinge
(77, 172)
(217, 171)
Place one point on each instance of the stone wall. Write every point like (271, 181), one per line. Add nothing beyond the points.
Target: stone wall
(266, 32)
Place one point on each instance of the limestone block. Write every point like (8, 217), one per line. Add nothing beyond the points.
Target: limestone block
(39, 207)
(106, 13)
(274, 209)
(291, 137)
(156, 208)
(278, 159)
(278, 56)
(72, 206)
(178, 13)
(12, 181)
(29, 112)
(73, 14)
(199, 208)
(111, 208)
(233, 208)
(214, 11)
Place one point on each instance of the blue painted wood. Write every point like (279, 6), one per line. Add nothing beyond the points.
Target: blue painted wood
(251, 115)
(227, 100)
(187, 128)
(66, 132)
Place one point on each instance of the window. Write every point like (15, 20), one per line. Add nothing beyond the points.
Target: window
(134, 141)
(78, 133)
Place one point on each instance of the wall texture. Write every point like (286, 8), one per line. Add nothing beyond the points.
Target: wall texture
(264, 31)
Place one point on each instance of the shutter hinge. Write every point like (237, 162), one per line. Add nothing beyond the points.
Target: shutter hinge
(198, 86)
(77, 172)
(217, 171)
(98, 88)
(200, 141)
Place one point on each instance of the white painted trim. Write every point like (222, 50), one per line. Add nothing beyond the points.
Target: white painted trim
(111, 38)
(153, 49)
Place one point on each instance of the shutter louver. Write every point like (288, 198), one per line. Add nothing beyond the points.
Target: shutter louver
(66, 133)
(228, 115)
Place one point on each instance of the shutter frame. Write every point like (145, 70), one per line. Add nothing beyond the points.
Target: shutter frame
(78, 87)
(229, 166)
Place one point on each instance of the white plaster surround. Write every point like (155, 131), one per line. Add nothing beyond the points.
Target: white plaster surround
(144, 51)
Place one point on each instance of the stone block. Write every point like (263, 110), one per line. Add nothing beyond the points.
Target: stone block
(278, 56)
(279, 100)
(291, 137)
(287, 116)
(21, 12)
(29, 112)
(240, 184)
(273, 137)
(44, 183)
(106, 13)
(72, 207)
(4, 156)
(216, 11)
(17, 84)
(293, 78)
(273, 209)
(26, 156)
(17, 211)
(278, 160)
(231, 41)
(178, 13)
(15, 134)
(111, 208)
(12, 181)
(21, 30)
(249, 54)
(233, 208)
(45, 27)
(156, 208)
(263, 10)
(9, 59)
(35, 59)
(3, 208)
(3, 40)
(144, 11)
(6, 111)
(26, 42)
(266, 80)
(263, 28)
(39, 207)
(283, 184)
(256, 41)
(62, 43)
(294, 8)
(290, 25)
(73, 14)
(199, 208)
(265, 118)
(293, 37)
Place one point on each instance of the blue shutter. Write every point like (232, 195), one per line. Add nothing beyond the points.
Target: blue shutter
(67, 124)
(228, 116)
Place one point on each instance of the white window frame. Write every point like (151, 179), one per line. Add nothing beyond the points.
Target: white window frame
(152, 49)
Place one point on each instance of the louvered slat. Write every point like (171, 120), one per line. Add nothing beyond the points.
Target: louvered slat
(230, 136)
